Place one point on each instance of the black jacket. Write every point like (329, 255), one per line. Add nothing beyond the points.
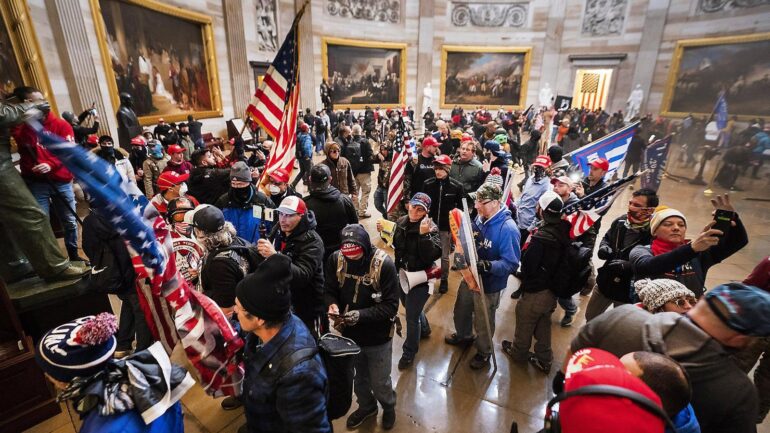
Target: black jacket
(224, 268)
(105, 248)
(421, 172)
(333, 211)
(414, 252)
(619, 240)
(540, 260)
(305, 249)
(445, 195)
(207, 184)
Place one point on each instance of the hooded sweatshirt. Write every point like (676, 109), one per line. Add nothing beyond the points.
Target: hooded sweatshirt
(333, 211)
(498, 242)
(247, 216)
(723, 397)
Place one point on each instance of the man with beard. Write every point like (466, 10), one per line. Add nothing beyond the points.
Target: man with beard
(244, 206)
(466, 169)
(207, 181)
(423, 168)
(333, 211)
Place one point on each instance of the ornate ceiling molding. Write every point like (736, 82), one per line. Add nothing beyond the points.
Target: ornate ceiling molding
(485, 14)
(711, 6)
(369, 10)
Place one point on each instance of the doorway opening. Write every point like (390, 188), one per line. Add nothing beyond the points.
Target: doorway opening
(591, 88)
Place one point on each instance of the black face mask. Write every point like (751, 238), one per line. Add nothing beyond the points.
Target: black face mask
(108, 151)
(242, 195)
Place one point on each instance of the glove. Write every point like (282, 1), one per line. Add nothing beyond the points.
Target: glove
(351, 317)
(483, 266)
(620, 267)
(605, 252)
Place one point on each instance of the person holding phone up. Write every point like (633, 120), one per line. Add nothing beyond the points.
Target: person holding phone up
(673, 256)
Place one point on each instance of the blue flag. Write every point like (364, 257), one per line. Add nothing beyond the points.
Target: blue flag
(655, 157)
(720, 111)
(612, 147)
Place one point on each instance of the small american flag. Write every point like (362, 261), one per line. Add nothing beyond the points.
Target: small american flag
(586, 211)
(401, 156)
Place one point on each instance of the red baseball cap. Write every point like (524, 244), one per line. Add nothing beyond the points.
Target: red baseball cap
(172, 149)
(279, 175)
(442, 160)
(466, 137)
(167, 179)
(542, 161)
(138, 141)
(600, 413)
(429, 141)
(92, 139)
(600, 163)
(292, 205)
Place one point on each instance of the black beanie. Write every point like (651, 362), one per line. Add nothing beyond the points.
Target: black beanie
(357, 234)
(265, 292)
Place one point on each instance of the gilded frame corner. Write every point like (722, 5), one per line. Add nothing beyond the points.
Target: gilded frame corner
(446, 49)
(207, 36)
(325, 41)
(26, 49)
(676, 60)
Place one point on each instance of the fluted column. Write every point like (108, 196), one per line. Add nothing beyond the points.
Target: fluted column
(236, 54)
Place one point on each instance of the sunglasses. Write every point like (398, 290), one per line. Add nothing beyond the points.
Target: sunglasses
(680, 302)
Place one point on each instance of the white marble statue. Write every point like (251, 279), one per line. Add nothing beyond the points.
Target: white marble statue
(427, 97)
(546, 95)
(634, 103)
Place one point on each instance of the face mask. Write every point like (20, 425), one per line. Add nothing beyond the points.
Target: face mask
(273, 189)
(183, 228)
(243, 195)
(109, 151)
(183, 189)
(156, 152)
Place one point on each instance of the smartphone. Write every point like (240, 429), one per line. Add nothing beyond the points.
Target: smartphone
(723, 219)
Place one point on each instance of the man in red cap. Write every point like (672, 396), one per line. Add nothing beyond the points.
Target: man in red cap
(278, 186)
(170, 186)
(423, 169)
(177, 163)
(598, 168)
(446, 194)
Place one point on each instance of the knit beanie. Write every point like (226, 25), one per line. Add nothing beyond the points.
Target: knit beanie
(661, 214)
(495, 177)
(240, 172)
(265, 293)
(655, 293)
(79, 348)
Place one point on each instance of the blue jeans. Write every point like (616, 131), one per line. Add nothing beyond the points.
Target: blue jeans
(63, 198)
(320, 140)
(379, 201)
(372, 381)
(416, 321)
(568, 304)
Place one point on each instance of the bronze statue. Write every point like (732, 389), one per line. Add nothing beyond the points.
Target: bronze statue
(128, 123)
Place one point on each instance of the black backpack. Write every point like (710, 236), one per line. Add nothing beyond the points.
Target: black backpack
(354, 155)
(572, 271)
(112, 270)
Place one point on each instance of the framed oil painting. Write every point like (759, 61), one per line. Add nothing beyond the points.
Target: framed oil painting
(702, 68)
(488, 76)
(362, 73)
(163, 56)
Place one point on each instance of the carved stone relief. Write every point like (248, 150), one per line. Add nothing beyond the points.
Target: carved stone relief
(369, 10)
(710, 6)
(267, 25)
(481, 14)
(604, 17)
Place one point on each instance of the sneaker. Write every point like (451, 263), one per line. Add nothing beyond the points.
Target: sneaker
(359, 416)
(388, 419)
(230, 403)
(364, 215)
(443, 287)
(516, 294)
(454, 340)
(569, 318)
(405, 362)
(71, 272)
(540, 365)
(480, 361)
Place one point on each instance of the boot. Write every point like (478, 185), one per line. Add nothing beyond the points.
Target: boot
(71, 272)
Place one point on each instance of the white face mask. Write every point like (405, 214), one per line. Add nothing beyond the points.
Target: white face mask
(274, 190)
(183, 189)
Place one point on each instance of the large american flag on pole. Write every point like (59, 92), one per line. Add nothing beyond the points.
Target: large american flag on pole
(585, 212)
(275, 103)
(401, 157)
(612, 147)
(176, 311)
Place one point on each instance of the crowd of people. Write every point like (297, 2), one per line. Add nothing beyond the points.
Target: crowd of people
(289, 268)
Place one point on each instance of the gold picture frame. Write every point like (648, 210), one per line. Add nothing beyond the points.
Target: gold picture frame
(690, 51)
(326, 42)
(450, 101)
(208, 53)
(25, 48)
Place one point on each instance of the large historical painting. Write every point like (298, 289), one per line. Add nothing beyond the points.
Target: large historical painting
(363, 73)
(702, 68)
(473, 76)
(162, 56)
(10, 74)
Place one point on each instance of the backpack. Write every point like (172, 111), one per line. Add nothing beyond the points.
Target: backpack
(112, 270)
(573, 270)
(371, 278)
(354, 156)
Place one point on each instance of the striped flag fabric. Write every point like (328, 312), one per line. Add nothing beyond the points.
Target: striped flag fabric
(612, 147)
(401, 157)
(585, 212)
(175, 311)
(720, 110)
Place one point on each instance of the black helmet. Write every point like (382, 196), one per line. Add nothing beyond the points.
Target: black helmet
(69, 116)
(179, 204)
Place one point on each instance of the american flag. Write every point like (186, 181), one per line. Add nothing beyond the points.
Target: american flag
(275, 103)
(401, 156)
(585, 212)
(175, 311)
(612, 147)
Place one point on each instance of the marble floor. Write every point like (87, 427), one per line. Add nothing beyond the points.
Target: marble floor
(440, 393)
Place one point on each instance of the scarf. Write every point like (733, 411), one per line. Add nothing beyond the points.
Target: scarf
(659, 246)
(632, 222)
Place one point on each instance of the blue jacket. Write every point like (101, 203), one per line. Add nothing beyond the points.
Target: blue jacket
(304, 145)
(497, 240)
(685, 421)
(526, 205)
(243, 216)
(132, 422)
(294, 402)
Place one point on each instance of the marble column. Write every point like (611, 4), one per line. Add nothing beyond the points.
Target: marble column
(309, 96)
(554, 29)
(425, 50)
(644, 71)
(69, 26)
(236, 55)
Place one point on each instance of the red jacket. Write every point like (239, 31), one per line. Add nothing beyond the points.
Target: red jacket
(32, 153)
(760, 276)
(183, 167)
